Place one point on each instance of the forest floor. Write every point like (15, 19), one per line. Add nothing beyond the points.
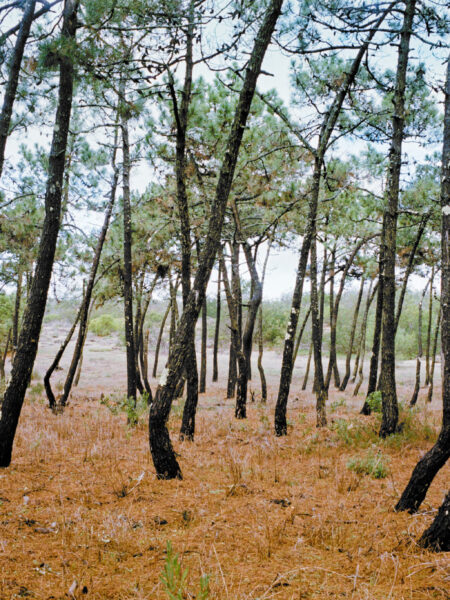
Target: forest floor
(82, 514)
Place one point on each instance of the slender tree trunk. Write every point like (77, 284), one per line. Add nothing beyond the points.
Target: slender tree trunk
(76, 381)
(362, 350)
(236, 334)
(127, 259)
(5, 354)
(376, 342)
(348, 358)
(158, 341)
(136, 338)
(144, 365)
(160, 445)
(326, 131)
(84, 315)
(35, 308)
(308, 366)
(387, 382)
(419, 351)
(300, 335)
(217, 331)
(262, 374)
(202, 386)
(58, 356)
(435, 459)
(252, 313)
(334, 308)
(143, 340)
(433, 358)
(332, 363)
(430, 320)
(13, 77)
(321, 389)
(409, 268)
(370, 297)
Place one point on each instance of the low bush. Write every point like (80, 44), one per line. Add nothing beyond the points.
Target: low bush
(105, 325)
(372, 464)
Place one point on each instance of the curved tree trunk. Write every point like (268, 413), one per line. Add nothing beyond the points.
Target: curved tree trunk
(37, 299)
(437, 536)
(160, 444)
(58, 356)
(13, 77)
(434, 459)
(76, 381)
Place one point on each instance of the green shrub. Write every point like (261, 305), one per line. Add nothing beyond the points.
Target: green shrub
(371, 464)
(174, 578)
(375, 402)
(105, 325)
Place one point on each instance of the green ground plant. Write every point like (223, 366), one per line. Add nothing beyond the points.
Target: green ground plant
(174, 578)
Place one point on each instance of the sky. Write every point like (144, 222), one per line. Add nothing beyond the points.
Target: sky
(282, 264)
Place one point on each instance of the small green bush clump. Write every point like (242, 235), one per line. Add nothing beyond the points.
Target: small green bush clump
(120, 403)
(105, 325)
(375, 401)
(371, 464)
(174, 578)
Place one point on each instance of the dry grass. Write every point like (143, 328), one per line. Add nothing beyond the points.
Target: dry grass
(265, 517)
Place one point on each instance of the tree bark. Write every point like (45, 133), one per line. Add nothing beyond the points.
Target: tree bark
(236, 334)
(203, 348)
(433, 357)
(430, 319)
(127, 258)
(215, 376)
(436, 458)
(415, 395)
(158, 341)
(409, 268)
(160, 445)
(321, 389)
(48, 388)
(5, 354)
(437, 536)
(362, 345)
(308, 366)
(326, 131)
(300, 335)
(35, 308)
(348, 358)
(387, 382)
(252, 313)
(13, 77)
(76, 381)
(376, 342)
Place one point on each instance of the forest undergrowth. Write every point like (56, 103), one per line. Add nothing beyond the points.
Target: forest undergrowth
(307, 516)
